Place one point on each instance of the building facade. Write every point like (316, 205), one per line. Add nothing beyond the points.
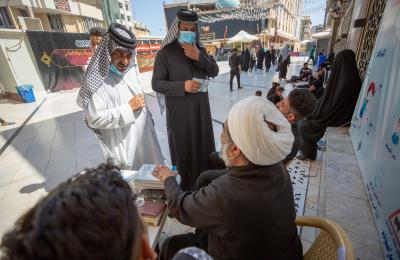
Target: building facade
(305, 28)
(126, 17)
(317, 28)
(283, 22)
(51, 15)
(355, 25)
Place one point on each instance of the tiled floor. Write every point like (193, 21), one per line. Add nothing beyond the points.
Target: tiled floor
(56, 144)
(337, 192)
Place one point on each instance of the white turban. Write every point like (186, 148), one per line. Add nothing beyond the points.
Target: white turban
(247, 124)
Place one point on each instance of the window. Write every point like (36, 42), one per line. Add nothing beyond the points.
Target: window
(129, 18)
(24, 13)
(4, 18)
(56, 23)
(127, 6)
(120, 5)
(89, 23)
(122, 16)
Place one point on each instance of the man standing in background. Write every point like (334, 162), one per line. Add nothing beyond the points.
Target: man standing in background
(114, 106)
(181, 71)
(236, 68)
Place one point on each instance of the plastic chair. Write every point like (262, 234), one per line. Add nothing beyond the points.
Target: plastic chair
(331, 244)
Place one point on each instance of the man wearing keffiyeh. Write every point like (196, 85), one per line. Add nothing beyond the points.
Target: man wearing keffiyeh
(179, 67)
(113, 102)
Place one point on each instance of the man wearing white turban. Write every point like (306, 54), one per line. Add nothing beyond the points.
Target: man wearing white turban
(249, 212)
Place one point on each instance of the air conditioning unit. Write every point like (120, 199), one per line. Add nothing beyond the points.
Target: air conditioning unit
(31, 24)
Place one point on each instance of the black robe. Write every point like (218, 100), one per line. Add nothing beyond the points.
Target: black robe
(273, 56)
(268, 59)
(245, 60)
(337, 104)
(283, 67)
(247, 212)
(189, 125)
(260, 59)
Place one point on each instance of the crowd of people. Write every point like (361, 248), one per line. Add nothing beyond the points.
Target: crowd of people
(240, 200)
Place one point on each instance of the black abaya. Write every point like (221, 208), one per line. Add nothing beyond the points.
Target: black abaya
(336, 106)
(268, 59)
(189, 125)
(245, 60)
(283, 68)
(260, 59)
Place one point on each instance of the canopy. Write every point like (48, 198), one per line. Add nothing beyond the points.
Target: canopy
(324, 34)
(305, 41)
(242, 36)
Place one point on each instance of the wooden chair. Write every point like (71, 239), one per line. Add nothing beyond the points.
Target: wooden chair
(332, 242)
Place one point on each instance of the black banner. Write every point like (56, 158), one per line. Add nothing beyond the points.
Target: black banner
(61, 58)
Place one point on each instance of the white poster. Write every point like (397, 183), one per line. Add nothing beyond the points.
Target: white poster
(375, 130)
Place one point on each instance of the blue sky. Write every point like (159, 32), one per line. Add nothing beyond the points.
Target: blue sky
(151, 13)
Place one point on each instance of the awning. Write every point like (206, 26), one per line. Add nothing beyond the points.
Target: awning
(324, 34)
(243, 36)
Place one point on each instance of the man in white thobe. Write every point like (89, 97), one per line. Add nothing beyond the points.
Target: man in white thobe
(114, 104)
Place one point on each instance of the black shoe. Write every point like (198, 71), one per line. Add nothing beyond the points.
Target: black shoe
(240, 87)
(231, 90)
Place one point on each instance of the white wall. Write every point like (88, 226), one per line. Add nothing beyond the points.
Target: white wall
(353, 38)
(91, 11)
(22, 68)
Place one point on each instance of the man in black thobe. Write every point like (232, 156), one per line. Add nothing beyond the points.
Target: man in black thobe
(248, 211)
(245, 60)
(236, 68)
(273, 56)
(268, 59)
(260, 58)
(189, 125)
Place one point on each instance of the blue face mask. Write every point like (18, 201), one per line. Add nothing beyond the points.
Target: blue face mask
(115, 70)
(187, 37)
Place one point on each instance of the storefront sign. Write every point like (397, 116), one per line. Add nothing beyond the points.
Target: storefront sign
(144, 47)
(60, 57)
(207, 36)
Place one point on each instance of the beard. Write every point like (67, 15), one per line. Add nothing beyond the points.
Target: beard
(224, 156)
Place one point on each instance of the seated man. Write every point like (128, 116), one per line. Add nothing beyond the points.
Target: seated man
(317, 82)
(272, 90)
(91, 216)
(249, 212)
(295, 107)
(277, 96)
(305, 72)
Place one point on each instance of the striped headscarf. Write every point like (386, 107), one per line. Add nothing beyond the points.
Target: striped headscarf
(117, 37)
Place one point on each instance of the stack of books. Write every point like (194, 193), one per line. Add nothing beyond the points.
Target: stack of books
(144, 178)
(154, 206)
(151, 191)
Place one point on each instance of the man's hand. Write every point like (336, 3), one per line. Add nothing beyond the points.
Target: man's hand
(163, 172)
(191, 51)
(192, 86)
(137, 102)
(312, 88)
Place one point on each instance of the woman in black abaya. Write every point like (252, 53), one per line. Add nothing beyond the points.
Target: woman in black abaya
(335, 107)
